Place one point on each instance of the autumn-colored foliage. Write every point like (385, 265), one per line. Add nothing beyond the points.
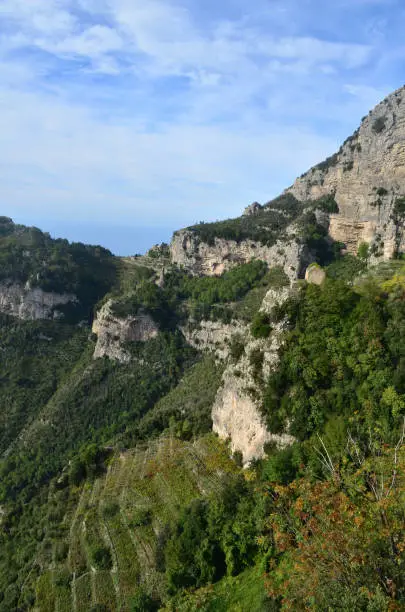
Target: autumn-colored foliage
(339, 544)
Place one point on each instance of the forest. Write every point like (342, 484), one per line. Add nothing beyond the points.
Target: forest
(116, 495)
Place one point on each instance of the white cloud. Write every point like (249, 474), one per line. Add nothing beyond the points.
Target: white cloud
(314, 51)
(93, 42)
(66, 154)
(137, 108)
(48, 17)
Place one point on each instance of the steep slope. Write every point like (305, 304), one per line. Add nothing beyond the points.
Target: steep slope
(124, 513)
(115, 495)
(280, 233)
(44, 278)
(367, 179)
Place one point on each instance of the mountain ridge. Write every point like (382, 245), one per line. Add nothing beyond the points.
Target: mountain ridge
(187, 422)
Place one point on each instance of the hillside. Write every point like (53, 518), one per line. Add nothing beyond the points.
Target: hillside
(217, 425)
(366, 177)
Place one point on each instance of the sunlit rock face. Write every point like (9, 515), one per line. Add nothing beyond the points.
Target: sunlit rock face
(32, 303)
(236, 413)
(188, 251)
(367, 177)
(114, 332)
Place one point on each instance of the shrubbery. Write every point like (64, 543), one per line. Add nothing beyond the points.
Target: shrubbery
(260, 327)
(341, 357)
(55, 265)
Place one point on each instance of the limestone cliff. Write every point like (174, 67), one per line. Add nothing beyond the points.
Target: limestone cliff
(190, 252)
(213, 336)
(31, 303)
(236, 412)
(114, 332)
(367, 178)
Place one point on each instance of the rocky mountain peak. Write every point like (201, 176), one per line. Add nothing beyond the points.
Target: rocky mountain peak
(367, 179)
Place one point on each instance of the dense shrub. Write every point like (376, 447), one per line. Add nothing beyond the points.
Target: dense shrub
(260, 327)
(378, 125)
(202, 547)
(363, 251)
(236, 347)
(27, 254)
(101, 557)
(340, 359)
(265, 227)
(346, 268)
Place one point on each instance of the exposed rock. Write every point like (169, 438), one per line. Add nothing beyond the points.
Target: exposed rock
(197, 257)
(315, 275)
(213, 336)
(29, 303)
(235, 416)
(158, 251)
(113, 332)
(366, 177)
(236, 412)
(253, 209)
(275, 297)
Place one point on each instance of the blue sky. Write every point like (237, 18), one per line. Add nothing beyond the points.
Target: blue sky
(122, 120)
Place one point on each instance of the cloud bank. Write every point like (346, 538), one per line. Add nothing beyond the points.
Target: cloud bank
(122, 112)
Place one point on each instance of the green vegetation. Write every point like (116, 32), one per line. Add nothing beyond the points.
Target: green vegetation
(260, 327)
(29, 255)
(329, 162)
(202, 546)
(363, 251)
(379, 125)
(359, 360)
(184, 295)
(114, 528)
(36, 358)
(327, 204)
(346, 268)
(267, 226)
(185, 411)
(99, 400)
(115, 496)
(399, 209)
(234, 593)
(212, 297)
(244, 309)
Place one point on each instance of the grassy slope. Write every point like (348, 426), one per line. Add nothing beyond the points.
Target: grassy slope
(245, 592)
(161, 477)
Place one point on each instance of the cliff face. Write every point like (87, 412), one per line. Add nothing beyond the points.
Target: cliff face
(114, 332)
(33, 304)
(213, 336)
(236, 412)
(190, 252)
(366, 176)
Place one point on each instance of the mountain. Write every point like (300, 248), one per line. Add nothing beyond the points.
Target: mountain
(366, 177)
(219, 424)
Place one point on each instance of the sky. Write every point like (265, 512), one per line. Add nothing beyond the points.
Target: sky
(123, 120)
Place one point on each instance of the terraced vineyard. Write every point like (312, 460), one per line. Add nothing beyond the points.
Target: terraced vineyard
(107, 545)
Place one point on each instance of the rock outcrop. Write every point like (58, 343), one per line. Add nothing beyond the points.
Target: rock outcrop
(315, 275)
(31, 303)
(197, 257)
(114, 332)
(366, 177)
(236, 412)
(213, 336)
(253, 209)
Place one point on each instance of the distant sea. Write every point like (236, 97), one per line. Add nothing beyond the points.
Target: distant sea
(120, 240)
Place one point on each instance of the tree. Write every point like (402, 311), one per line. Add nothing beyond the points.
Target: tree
(363, 251)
